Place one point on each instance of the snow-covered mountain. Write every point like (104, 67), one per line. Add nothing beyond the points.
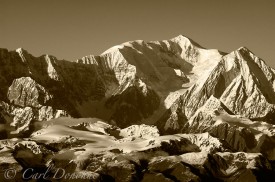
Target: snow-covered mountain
(131, 83)
(221, 103)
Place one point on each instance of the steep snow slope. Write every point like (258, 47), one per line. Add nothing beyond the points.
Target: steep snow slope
(164, 68)
(242, 82)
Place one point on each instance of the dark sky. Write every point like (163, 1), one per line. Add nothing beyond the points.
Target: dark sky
(71, 29)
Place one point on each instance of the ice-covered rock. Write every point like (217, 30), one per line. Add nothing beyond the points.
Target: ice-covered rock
(26, 92)
(240, 133)
(30, 154)
(174, 170)
(140, 131)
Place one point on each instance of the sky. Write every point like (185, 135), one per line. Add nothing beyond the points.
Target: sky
(71, 29)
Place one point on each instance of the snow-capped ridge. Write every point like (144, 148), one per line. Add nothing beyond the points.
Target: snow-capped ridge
(21, 53)
(243, 48)
(186, 40)
(21, 50)
(114, 48)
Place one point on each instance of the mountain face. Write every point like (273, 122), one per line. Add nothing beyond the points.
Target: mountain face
(131, 83)
(223, 104)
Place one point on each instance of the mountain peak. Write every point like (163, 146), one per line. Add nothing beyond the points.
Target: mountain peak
(21, 53)
(116, 47)
(182, 39)
(181, 36)
(20, 50)
(244, 49)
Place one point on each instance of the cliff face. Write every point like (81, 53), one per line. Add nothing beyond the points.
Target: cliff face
(37, 89)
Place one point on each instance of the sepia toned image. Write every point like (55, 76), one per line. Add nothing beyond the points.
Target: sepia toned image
(129, 91)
